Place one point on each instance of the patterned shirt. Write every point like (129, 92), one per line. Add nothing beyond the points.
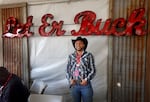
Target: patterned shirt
(83, 70)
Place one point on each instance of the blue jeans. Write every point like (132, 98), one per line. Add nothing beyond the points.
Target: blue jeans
(82, 92)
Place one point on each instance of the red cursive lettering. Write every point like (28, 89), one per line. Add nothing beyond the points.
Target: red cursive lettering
(15, 29)
(134, 25)
(55, 26)
(118, 27)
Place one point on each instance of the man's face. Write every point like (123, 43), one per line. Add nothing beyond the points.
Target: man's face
(79, 45)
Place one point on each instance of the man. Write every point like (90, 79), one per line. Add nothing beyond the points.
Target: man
(80, 70)
(12, 88)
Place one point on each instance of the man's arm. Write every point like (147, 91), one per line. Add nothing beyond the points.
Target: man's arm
(92, 68)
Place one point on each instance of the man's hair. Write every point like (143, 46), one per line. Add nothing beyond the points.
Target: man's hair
(3, 71)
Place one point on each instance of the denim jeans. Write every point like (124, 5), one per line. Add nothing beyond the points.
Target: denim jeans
(84, 93)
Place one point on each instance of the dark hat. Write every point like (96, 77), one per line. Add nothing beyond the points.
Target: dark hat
(81, 39)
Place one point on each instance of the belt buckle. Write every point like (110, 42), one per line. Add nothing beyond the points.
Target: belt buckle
(78, 82)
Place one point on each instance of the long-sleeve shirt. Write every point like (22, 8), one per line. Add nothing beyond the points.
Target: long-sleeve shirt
(86, 68)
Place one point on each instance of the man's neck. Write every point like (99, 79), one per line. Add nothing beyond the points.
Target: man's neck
(80, 52)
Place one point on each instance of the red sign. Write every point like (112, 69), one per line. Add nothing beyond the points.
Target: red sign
(134, 25)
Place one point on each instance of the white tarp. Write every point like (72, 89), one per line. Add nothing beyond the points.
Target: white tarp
(67, 12)
(48, 55)
(48, 59)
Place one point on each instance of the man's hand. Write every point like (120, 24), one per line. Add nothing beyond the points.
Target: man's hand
(72, 82)
(83, 82)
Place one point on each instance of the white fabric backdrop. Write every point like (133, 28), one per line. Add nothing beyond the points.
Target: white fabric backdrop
(48, 59)
(48, 55)
(67, 11)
